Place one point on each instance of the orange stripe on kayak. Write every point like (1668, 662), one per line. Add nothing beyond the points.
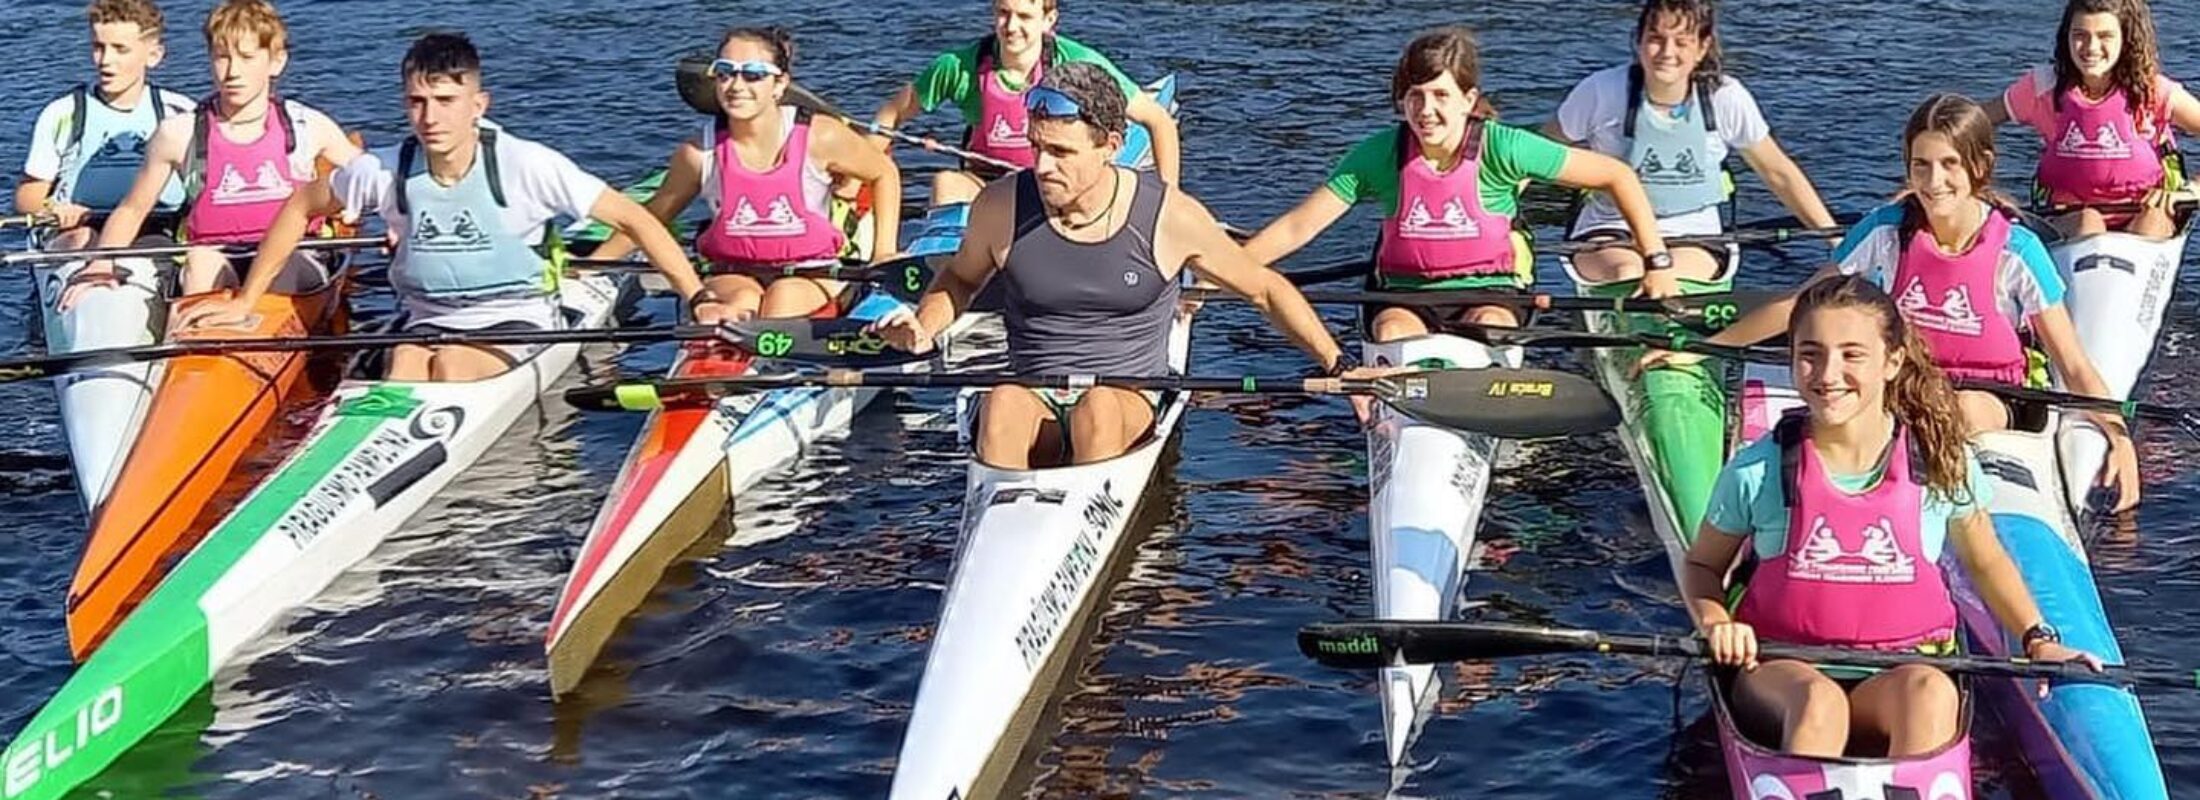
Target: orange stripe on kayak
(207, 415)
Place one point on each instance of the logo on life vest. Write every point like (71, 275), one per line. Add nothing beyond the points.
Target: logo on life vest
(1454, 224)
(2106, 144)
(1878, 559)
(457, 233)
(267, 185)
(1684, 171)
(1953, 315)
(779, 219)
(128, 145)
(1004, 135)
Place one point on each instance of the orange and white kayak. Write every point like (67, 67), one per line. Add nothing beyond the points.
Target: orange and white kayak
(207, 414)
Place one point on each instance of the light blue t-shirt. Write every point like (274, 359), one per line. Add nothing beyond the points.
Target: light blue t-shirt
(2025, 280)
(1749, 501)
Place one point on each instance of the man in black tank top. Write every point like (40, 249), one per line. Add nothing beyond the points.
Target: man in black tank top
(1091, 255)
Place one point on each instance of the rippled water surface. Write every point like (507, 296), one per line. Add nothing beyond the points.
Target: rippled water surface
(784, 663)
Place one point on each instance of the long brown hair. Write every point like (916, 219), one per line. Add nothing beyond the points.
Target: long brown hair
(1920, 396)
(1968, 128)
(1704, 18)
(1447, 49)
(2135, 67)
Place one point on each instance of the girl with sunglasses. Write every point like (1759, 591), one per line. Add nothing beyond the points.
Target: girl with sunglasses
(986, 81)
(766, 169)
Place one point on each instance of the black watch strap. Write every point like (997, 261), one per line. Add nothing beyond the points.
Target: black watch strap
(2041, 632)
(1659, 261)
(1342, 364)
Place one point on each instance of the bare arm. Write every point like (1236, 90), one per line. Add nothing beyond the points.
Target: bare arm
(32, 195)
(631, 219)
(1296, 227)
(2184, 111)
(335, 148)
(2059, 337)
(846, 154)
(1703, 578)
(1999, 581)
(973, 265)
(1587, 169)
(1787, 182)
(683, 181)
(1997, 110)
(1167, 147)
(1189, 235)
(1770, 319)
(898, 109)
(312, 200)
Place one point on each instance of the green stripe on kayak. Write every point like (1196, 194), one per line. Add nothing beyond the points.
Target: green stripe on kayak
(159, 658)
(1681, 411)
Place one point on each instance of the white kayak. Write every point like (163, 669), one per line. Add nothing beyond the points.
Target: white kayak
(379, 452)
(2119, 289)
(102, 409)
(1033, 548)
(1427, 485)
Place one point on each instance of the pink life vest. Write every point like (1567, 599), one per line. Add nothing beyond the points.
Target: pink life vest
(1854, 572)
(1003, 127)
(2099, 153)
(1440, 229)
(238, 187)
(768, 218)
(1954, 303)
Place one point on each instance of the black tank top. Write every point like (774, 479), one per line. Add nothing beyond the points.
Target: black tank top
(1103, 308)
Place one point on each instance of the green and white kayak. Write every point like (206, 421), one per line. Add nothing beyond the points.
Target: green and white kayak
(380, 452)
(1675, 418)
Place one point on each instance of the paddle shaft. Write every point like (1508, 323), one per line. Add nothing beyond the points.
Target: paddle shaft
(150, 251)
(1374, 644)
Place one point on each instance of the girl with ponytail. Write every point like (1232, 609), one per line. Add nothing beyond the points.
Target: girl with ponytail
(1967, 278)
(1847, 509)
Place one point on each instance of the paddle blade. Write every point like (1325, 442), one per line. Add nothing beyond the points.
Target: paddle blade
(801, 97)
(1506, 403)
(843, 342)
(691, 76)
(1374, 644)
(1711, 313)
(904, 278)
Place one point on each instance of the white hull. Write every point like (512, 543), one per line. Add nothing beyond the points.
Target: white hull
(1427, 487)
(1033, 547)
(381, 451)
(2120, 286)
(102, 409)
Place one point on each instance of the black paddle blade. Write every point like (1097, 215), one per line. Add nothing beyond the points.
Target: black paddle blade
(691, 76)
(904, 278)
(635, 397)
(1506, 403)
(843, 343)
(801, 97)
(1374, 644)
(1711, 313)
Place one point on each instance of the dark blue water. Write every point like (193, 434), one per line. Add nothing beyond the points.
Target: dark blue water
(784, 665)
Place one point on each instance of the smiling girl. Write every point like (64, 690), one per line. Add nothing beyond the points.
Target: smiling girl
(2104, 111)
(1967, 276)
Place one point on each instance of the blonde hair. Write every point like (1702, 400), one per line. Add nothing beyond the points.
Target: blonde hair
(141, 13)
(247, 21)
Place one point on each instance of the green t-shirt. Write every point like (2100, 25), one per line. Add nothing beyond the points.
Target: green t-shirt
(1369, 173)
(953, 76)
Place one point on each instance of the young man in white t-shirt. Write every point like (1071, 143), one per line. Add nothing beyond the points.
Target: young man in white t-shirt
(88, 143)
(467, 204)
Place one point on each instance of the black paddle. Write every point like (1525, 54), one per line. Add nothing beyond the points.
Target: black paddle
(1374, 644)
(1509, 403)
(1700, 312)
(829, 342)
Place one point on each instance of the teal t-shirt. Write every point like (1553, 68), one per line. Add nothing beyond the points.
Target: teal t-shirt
(1510, 156)
(1748, 500)
(952, 77)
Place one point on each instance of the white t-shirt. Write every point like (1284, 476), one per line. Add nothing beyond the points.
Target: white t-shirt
(540, 185)
(1595, 113)
(50, 134)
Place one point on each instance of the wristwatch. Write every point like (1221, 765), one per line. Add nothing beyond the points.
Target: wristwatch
(1659, 261)
(1342, 364)
(2041, 632)
(701, 296)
